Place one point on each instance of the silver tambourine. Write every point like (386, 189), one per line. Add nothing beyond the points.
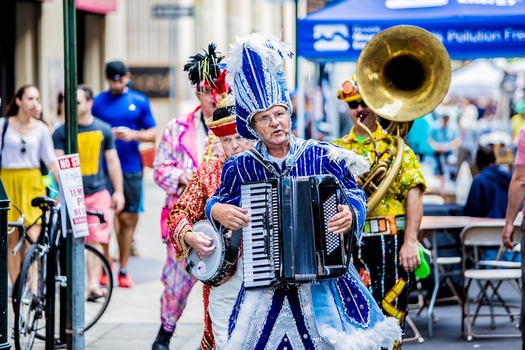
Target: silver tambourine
(210, 269)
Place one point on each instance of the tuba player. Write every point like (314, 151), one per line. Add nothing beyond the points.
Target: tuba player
(389, 254)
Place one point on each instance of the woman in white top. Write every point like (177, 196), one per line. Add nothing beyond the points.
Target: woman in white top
(25, 143)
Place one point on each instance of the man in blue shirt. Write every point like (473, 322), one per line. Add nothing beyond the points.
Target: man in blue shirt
(129, 114)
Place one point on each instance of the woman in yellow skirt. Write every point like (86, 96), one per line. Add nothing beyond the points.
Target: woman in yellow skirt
(25, 143)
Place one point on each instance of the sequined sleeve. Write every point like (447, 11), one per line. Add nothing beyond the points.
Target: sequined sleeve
(189, 207)
(229, 191)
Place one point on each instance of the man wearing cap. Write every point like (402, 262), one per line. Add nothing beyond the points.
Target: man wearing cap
(389, 253)
(334, 313)
(129, 114)
(184, 145)
(95, 144)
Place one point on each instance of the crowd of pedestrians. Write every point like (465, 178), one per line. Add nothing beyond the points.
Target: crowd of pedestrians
(111, 127)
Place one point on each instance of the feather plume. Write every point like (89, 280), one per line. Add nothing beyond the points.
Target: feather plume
(220, 83)
(382, 335)
(268, 46)
(204, 67)
(356, 164)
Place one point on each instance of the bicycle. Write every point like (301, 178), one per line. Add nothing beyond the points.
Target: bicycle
(35, 295)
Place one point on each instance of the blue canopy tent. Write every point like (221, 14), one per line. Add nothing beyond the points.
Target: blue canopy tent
(467, 28)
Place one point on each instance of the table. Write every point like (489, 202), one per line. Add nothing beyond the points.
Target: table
(435, 223)
(430, 226)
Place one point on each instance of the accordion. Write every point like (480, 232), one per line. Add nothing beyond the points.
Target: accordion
(287, 240)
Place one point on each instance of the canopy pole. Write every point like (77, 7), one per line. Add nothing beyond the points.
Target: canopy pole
(299, 95)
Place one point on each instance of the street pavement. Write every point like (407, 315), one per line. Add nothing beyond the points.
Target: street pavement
(132, 318)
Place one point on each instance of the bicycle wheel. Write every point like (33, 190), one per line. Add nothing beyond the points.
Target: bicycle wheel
(28, 301)
(96, 304)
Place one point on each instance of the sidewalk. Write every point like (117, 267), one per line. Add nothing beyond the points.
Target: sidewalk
(132, 321)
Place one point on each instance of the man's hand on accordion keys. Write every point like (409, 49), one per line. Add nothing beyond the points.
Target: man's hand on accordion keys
(342, 221)
(200, 242)
(230, 216)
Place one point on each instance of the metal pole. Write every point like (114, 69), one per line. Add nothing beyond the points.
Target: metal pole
(300, 96)
(74, 246)
(296, 10)
(4, 207)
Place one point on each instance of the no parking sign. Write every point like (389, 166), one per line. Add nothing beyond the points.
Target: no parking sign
(72, 193)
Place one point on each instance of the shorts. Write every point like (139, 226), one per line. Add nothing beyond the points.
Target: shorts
(132, 192)
(99, 201)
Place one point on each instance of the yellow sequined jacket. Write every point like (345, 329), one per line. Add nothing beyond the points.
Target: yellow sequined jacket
(408, 177)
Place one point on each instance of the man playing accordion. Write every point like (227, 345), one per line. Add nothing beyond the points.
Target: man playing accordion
(333, 313)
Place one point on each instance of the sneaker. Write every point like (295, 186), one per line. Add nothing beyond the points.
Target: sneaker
(125, 280)
(103, 279)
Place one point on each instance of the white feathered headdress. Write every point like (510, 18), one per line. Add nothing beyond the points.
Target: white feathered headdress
(256, 65)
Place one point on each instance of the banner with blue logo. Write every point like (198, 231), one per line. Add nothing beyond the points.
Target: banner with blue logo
(467, 28)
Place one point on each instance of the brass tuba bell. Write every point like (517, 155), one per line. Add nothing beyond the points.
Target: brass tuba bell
(403, 73)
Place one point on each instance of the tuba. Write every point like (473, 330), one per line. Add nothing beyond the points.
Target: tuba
(403, 73)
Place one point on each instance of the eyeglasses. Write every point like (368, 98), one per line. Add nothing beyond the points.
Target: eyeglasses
(23, 146)
(355, 104)
(265, 121)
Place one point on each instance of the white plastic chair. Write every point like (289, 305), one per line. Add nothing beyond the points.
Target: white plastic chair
(433, 199)
(474, 237)
(444, 268)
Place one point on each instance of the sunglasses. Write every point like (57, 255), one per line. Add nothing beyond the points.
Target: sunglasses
(355, 104)
(23, 146)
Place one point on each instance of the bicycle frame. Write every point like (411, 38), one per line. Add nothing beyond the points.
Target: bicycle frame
(47, 249)
(52, 229)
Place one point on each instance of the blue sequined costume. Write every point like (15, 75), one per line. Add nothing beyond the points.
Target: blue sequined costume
(332, 314)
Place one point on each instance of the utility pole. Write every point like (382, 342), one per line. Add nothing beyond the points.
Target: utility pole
(74, 246)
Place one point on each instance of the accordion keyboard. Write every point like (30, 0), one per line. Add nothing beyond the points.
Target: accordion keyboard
(260, 261)
(333, 242)
(287, 239)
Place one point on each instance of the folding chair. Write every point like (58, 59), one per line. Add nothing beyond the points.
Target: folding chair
(417, 335)
(473, 238)
(444, 268)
